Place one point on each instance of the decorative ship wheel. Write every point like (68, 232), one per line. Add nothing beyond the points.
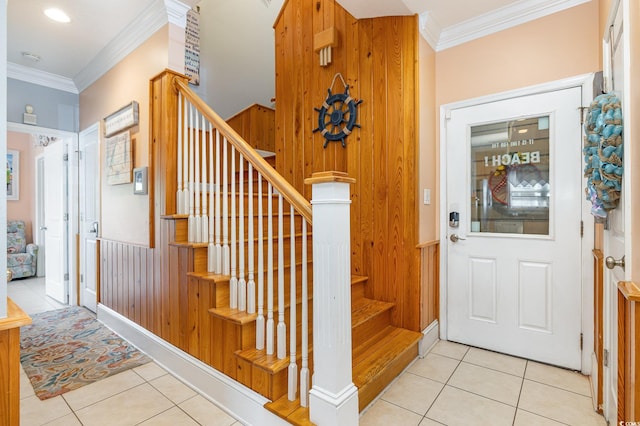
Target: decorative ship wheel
(338, 114)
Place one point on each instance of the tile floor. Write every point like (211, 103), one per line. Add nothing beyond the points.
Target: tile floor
(459, 385)
(452, 385)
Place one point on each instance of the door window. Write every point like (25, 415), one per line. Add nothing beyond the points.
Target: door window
(510, 186)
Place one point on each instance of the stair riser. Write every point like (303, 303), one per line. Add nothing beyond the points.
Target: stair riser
(362, 332)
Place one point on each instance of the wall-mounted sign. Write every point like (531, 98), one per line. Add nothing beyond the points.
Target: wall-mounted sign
(118, 158)
(123, 119)
(192, 47)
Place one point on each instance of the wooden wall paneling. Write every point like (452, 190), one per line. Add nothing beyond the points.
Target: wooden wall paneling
(295, 77)
(280, 135)
(318, 85)
(143, 284)
(411, 281)
(152, 300)
(622, 357)
(288, 99)
(183, 322)
(395, 166)
(192, 330)
(203, 320)
(169, 295)
(128, 281)
(137, 275)
(381, 220)
(362, 169)
(310, 62)
(429, 282)
(217, 345)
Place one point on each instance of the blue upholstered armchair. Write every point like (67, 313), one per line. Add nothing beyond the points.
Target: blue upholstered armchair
(21, 257)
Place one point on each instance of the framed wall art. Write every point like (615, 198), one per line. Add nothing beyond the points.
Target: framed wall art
(13, 175)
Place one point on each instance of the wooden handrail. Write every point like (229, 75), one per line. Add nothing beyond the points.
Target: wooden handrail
(300, 204)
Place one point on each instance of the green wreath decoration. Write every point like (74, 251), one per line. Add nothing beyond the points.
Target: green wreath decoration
(603, 153)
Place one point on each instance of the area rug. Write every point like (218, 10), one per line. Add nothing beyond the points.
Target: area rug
(68, 348)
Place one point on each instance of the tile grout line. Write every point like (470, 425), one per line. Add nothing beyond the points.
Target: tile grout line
(524, 373)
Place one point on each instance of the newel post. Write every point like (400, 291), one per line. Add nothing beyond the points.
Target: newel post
(333, 399)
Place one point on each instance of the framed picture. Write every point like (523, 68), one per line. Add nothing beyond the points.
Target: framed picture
(13, 174)
(140, 181)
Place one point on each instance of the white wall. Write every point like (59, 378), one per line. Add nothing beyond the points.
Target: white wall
(237, 53)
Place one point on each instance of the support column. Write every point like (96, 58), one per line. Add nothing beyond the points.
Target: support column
(333, 399)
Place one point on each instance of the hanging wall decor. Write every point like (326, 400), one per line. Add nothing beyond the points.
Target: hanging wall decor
(603, 153)
(338, 114)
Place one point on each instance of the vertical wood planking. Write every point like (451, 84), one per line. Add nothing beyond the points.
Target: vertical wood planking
(378, 59)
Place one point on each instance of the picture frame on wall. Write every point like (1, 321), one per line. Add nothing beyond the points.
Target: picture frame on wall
(13, 175)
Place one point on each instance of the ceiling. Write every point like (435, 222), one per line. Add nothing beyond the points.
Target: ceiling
(72, 52)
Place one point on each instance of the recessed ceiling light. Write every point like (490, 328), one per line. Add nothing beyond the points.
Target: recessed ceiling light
(57, 15)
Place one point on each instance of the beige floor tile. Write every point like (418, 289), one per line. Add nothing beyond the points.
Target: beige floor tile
(127, 408)
(429, 422)
(435, 367)
(525, 418)
(26, 389)
(68, 420)
(558, 377)
(150, 371)
(415, 393)
(383, 413)
(205, 412)
(173, 388)
(102, 389)
(171, 417)
(450, 349)
(558, 404)
(457, 407)
(496, 361)
(489, 383)
(34, 412)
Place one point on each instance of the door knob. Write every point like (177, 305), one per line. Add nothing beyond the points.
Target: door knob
(454, 238)
(43, 228)
(612, 263)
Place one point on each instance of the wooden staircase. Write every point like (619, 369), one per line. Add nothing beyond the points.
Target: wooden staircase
(225, 338)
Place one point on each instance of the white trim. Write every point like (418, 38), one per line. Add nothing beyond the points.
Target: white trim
(500, 19)
(584, 81)
(429, 339)
(26, 128)
(177, 12)
(234, 398)
(41, 78)
(429, 29)
(147, 23)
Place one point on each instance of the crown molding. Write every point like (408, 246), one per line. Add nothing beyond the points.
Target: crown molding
(41, 78)
(501, 19)
(147, 23)
(177, 12)
(429, 29)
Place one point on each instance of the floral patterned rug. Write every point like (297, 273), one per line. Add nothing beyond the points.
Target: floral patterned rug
(68, 348)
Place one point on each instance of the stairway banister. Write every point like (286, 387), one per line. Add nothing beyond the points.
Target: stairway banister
(301, 204)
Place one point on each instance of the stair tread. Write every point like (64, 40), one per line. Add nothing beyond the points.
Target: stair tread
(233, 315)
(290, 410)
(382, 352)
(364, 308)
(209, 276)
(356, 279)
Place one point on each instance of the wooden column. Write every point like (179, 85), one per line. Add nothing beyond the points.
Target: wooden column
(10, 363)
(628, 355)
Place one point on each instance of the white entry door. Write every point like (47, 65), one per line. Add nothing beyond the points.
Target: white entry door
(514, 194)
(89, 215)
(614, 242)
(55, 223)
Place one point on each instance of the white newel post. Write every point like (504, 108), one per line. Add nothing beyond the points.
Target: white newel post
(333, 399)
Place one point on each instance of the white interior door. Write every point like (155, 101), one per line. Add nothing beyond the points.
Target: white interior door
(89, 214)
(614, 242)
(55, 224)
(514, 194)
(38, 230)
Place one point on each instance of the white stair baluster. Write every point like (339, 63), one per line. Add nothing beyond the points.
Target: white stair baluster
(293, 367)
(251, 284)
(242, 283)
(233, 282)
(211, 259)
(198, 221)
(304, 343)
(225, 209)
(270, 330)
(180, 192)
(186, 195)
(204, 232)
(218, 189)
(260, 318)
(282, 328)
(192, 219)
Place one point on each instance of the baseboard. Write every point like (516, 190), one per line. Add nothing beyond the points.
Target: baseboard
(430, 338)
(237, 400)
